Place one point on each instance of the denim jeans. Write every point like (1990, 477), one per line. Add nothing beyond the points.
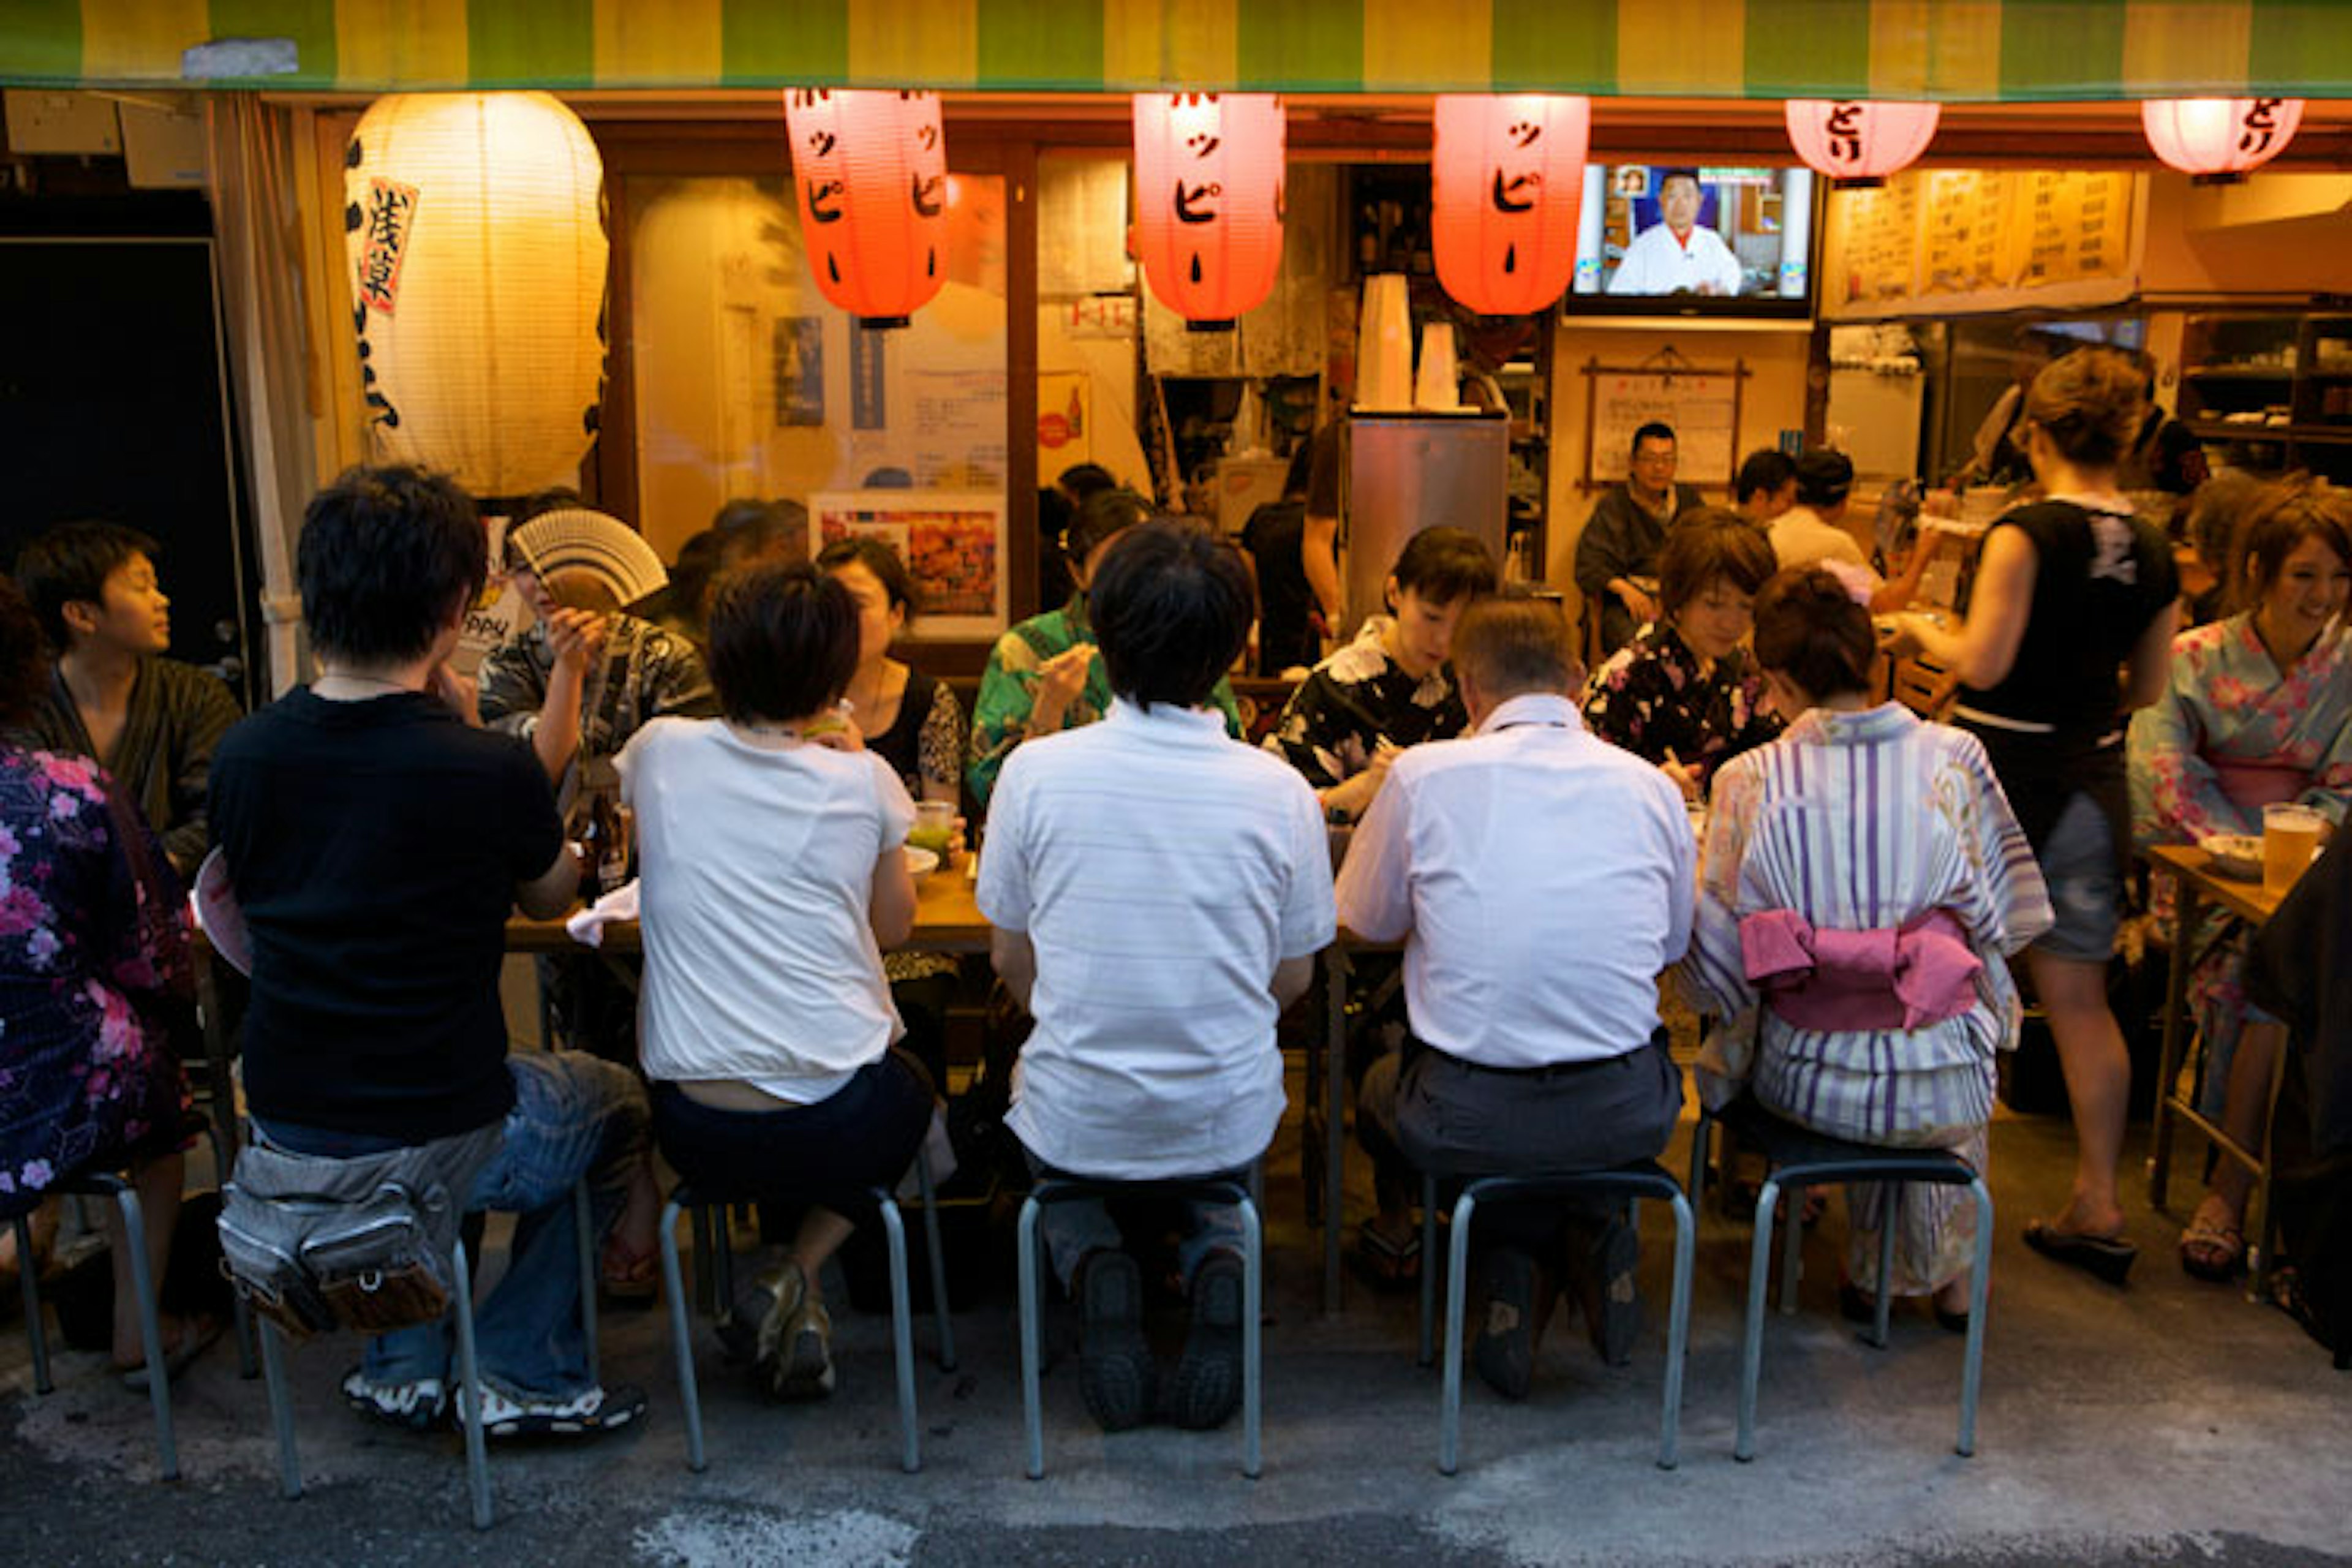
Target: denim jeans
(1077, 1226)
(574, 1116)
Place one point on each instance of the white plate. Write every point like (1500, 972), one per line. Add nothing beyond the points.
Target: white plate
(2238, 856)
(920, 863)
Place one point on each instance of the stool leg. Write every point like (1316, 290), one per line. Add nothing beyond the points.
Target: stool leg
(28, 1287)
(1677, 1332)
(1697, 1185)
(583, 1222)
(1252, 1367)
(151, 1328)
(469, 1387)
(281, 1409)
(1751, 1357)
(1032, 1425)
(1792, 1251)
(1457, 1270)
(1428, 1267)
(241, 1319)
(1890, 1215)
(936, 1254)
(1980, 1293)
(902, 1335)
(681, 1338)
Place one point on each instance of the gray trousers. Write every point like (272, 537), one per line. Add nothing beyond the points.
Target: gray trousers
(1449, 1118)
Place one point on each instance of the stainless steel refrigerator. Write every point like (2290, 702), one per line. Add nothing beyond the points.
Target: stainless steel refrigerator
(1410, 471)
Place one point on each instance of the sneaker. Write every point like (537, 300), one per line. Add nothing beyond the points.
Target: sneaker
(1602, 1267)
(795, 1344)
(595, 1410)
(411, 1406)
(1115, 1369)
(1518, 1297)
(1207, 1387)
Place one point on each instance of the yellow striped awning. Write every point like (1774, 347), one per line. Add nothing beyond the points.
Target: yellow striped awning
(1954, 51)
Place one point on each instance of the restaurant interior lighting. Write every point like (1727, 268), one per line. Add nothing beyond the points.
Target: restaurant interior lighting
(871, 168)
(1857, 142)
(2220, 139)
(473, 225)
(1509, 180)
(1208, 176)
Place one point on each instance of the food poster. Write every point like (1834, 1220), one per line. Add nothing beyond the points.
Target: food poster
(952, 542)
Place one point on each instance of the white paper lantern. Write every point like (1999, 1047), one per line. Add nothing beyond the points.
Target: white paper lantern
(475, 230)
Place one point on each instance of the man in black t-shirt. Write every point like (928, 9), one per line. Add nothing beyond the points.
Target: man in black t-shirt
(376, 837)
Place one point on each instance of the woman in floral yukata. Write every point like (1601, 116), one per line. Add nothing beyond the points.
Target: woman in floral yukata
(2258, 711)
(1685, 694)
(93, 971)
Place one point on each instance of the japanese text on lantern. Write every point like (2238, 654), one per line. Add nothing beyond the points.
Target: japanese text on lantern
(2260, 125)
(1845, 128)
(390, 216)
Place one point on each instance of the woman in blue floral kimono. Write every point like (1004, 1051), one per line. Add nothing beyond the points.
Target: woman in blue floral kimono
(93, 969)
(2258, 713)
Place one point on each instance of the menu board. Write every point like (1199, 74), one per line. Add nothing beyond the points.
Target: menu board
(1947, 241)
(1702, 407)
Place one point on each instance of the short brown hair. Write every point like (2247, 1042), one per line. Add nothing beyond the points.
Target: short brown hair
(2281, 517)
(1709, 544)
(1511, 643)
(783, 641)
(1810, 631)
(2090, 403)
(880, 559)
(23, 659)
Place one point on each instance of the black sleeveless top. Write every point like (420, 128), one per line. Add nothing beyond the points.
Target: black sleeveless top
(901, 745)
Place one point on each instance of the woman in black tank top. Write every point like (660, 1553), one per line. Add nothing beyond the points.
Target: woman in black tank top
(2068, 590)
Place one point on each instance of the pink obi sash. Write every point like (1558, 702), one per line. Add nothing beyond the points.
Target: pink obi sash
(2252, 785)
(1905, 977)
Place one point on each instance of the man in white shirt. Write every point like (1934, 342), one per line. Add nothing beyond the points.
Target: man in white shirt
(1675, 255)
(1158, 893)
(1813, 533)
(1541, 880)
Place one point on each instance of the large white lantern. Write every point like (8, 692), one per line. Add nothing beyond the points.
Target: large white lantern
(475, 229)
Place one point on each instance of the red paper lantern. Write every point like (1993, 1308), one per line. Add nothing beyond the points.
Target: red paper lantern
(2220, 138)
(1509, 176)
(1208, 176)
(872, 171)
(1857, 142)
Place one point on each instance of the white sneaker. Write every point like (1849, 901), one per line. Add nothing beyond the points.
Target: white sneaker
(595, 1409)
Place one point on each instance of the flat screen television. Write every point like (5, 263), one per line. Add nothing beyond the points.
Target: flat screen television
(1663, 239)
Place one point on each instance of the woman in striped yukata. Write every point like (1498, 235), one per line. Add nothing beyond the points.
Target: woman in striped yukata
(1863, 883)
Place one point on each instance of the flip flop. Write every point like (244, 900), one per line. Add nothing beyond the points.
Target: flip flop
(1385, 1262)
(626, 1277)
(2107, 1258)
(195, 1338)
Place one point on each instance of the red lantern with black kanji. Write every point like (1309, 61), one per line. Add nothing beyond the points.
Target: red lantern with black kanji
(2220, 139)
(1208, 176)
(872, 170)
(1857, 142)
(1509, 178)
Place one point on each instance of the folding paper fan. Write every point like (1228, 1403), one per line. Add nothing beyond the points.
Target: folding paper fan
(571, 538)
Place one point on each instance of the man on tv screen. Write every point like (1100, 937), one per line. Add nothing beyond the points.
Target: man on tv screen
(1675, 255)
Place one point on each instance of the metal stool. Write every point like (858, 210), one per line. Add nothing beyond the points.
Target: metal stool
(106, 1184)
(470, 1383)
(716, 1266)
(1237, 1191)
(1797, 1159)
(1633, 1182)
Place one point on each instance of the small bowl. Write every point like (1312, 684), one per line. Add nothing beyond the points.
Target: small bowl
(920, 863)
(2238, 856)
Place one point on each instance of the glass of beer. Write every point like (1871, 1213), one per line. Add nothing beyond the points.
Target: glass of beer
(2290, 837)
(934, 827)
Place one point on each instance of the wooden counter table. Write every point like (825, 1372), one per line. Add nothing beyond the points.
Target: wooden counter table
(2196, 884)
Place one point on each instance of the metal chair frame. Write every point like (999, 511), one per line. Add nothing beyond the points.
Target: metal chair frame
(1630, 1181)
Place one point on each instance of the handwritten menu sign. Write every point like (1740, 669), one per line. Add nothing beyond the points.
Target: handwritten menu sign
(1979, 239)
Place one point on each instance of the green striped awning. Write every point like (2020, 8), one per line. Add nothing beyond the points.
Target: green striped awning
(1956, 50)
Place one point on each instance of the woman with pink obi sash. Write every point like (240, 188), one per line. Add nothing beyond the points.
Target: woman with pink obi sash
(1864, 883)
(2258, 713)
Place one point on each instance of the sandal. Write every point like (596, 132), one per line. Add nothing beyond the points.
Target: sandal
(196, 1336)
(2212, 1250)
(628, 1277)
(1385, 1261)
(2107, 1258)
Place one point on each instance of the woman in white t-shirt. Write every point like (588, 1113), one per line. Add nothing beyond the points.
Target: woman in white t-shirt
(773, 877)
